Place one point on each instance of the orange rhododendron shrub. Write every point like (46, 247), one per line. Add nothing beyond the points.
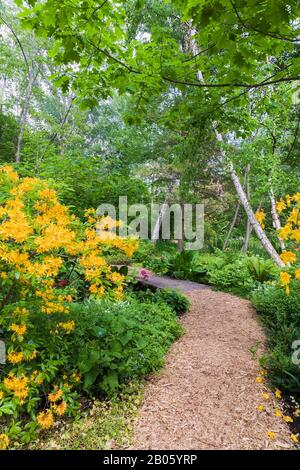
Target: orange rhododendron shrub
(289, 207)
(48, 259)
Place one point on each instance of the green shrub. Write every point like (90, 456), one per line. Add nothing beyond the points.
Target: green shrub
(155, 256)
(117, 342)
(145, 252)
(178, 302)
(261, 270)
(175, 299)
(205, 263)
(280, 314)
(189, 265)
(159, 266)
(166, 247)
(141, 294)
(181, 265)
(233, 278)
(119, 259)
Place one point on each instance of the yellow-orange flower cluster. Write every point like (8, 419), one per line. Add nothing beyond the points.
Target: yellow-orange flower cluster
(60, 408)
(17, 385)
(56, 395)
(15, 357)
(260, 217)
(4, 441)
(288, 257)
(19, 329)
(67, 326)
(45, 419)
(290, 233)
(285, 279)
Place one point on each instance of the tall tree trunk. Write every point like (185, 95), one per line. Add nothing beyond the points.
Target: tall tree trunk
(24, 113)
(275, 217)
(180, 241)
(248, 225)
(163, 209)
(232, 225)
(2, 94)
(267, 245)
(155, 233)
(236, 213)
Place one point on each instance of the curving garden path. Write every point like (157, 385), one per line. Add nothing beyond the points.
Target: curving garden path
(207, 396)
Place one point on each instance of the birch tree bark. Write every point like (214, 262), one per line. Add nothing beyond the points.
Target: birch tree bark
(180, 241)
(248, 225)
(236, 213)
(163, 209)
(232, 225)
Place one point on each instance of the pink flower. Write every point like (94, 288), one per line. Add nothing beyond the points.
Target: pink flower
(63, 282)
(144, 274)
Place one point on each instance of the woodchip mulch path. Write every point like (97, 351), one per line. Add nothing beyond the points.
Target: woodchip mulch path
(207, 396)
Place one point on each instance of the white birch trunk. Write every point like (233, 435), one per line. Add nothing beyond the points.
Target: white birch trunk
(163, 209)
(248, 226)
(155, 233)
(180, 241)
(247, 237)
(232, 225)
(236, 213)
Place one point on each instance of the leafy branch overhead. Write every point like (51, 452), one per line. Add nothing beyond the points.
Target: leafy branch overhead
(245, 44)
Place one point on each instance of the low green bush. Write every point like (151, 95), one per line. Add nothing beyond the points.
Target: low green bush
(205, 263)
(174, 298)
(145, 252)
(119, 341)
(159, 266)
(155, 256)
(280, 314)
(178, 302)
(181, 265)
(260, 269)
(233, 277)
(166, 247)
(119, 259)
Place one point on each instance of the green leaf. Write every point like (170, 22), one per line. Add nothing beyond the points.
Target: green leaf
(110, 381)
(90, 377)
(7, 408)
